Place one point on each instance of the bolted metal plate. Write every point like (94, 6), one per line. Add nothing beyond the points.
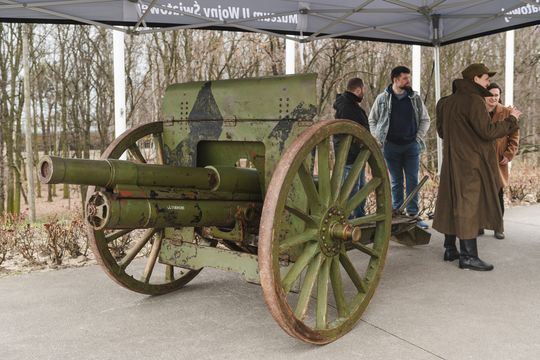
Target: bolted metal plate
(291, 97)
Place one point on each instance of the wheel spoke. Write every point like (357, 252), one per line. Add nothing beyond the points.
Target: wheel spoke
(115, 235)
(323, 162)
(151, 262)
(298, 239)
(310, 222)
(337, 286)
(322, 294)
(303, 260)
(332, 276)
(158, 144)
(366, 250)
(353, 274)
(339, 166)
(357, 300)
(352, 178)
(368, 219)
(307, 287)
(136, 153)
(362, 194)
(130, 255)
(312, 195)
(121, 252)
(169, 273)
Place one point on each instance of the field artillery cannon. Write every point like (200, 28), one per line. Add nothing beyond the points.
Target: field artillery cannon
(255, 187)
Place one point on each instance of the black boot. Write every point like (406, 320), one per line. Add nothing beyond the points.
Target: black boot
(468, 258)
(451, 252)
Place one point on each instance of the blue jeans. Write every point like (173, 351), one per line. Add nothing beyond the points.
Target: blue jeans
(359, 211)
(402, 159)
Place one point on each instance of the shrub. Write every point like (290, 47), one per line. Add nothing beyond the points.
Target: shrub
(65, 238)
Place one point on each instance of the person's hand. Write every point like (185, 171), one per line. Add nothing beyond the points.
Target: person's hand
(515, 112)
(504, 161)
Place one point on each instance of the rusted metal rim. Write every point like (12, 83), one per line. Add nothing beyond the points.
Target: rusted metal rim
(98, 241)
(275, 199)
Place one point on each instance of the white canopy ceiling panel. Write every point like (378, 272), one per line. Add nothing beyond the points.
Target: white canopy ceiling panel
(403, 21)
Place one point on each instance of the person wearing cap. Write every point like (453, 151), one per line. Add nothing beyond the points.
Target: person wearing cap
(399, 121)
(467, 197)
(506, 146)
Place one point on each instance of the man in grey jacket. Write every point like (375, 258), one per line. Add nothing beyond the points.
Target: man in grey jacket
(399, 121)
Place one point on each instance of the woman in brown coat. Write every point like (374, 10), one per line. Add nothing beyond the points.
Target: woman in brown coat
(468, 192)
(506, 146)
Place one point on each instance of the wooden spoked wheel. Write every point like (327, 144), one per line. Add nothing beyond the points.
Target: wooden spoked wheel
(129, 257)
(329, 258)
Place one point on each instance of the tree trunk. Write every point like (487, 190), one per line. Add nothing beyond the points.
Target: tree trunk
(64, 135)
(2, 164)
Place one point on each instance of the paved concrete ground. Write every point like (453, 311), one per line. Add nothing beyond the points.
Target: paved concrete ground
(423, 309)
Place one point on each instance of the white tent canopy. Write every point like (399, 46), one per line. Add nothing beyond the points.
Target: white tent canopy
(426, 22)
(433, 22)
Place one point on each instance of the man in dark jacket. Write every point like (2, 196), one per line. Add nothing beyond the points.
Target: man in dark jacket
(347, 106)
(468, 199)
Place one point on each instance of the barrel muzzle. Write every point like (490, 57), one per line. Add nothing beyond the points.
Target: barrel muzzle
(51, 171)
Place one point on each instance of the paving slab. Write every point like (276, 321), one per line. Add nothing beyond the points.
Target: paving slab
(424, 308)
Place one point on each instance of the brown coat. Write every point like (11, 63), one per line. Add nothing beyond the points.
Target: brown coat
(468, 191)
(507, 146)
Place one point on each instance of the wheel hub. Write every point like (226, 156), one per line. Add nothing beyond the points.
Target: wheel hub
(334, 230)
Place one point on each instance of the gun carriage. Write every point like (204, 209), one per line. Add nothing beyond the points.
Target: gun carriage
(241, 176)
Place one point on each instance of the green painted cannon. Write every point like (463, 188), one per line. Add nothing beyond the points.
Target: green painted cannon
(241, 176)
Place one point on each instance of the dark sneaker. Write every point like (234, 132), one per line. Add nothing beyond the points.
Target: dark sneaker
(422, 224)
(499, 235)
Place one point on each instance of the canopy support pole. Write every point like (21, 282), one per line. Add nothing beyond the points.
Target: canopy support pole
(509, 74)
(436, 35)
(437, 61)
(290, 57)
(417, 68)
(509, 69)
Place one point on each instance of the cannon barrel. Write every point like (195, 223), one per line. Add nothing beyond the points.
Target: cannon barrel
(109, 173)
(104, 211)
